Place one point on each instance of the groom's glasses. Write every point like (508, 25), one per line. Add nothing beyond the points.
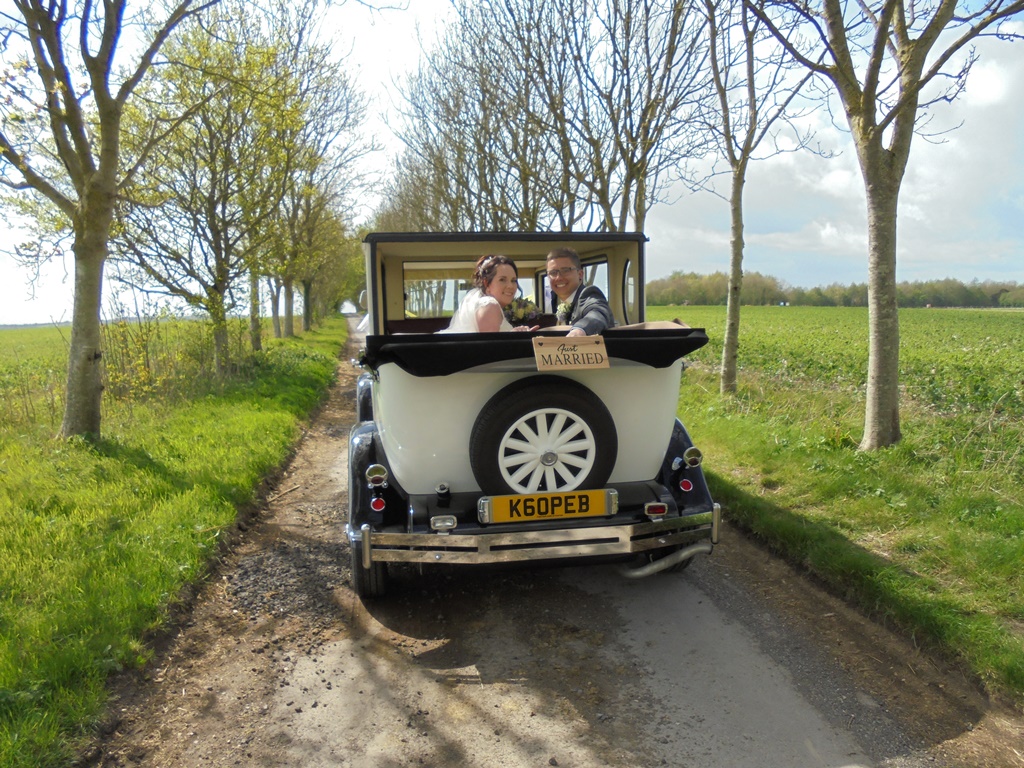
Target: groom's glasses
(563, 272)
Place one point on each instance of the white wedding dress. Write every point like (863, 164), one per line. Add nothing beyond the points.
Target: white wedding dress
(464, 319)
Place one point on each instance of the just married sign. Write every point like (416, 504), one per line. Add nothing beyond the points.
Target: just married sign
(564, 354)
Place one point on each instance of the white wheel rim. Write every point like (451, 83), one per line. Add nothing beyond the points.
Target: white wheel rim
(549, 449)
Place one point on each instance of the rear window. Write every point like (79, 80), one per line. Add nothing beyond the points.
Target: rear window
(435, 289)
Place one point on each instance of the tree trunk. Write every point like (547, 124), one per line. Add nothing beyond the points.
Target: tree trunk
(307, 305)
(882, 411)
(84, 396)
(289, 309)
(255, 325)
(731, 342)
(221, 348)
(275, 306)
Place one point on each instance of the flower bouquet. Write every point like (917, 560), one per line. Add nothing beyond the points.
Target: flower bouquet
(563, 311)
(522, 312)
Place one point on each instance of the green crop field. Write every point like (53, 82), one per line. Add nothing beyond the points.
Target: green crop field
(950, 359)
(33, 367)
(164, 358)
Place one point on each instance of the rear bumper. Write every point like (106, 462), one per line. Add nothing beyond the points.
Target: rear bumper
(512, 547)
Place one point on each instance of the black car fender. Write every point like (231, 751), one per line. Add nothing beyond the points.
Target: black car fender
(674, 470)
(364, 449)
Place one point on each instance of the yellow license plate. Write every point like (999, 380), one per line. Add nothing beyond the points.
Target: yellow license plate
(547, 506)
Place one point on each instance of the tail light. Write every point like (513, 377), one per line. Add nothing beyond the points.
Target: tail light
(377, 481)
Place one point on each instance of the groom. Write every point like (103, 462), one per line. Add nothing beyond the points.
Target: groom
(583, 307)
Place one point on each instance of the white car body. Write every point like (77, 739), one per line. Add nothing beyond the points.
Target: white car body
(425, 423)
(481, 448)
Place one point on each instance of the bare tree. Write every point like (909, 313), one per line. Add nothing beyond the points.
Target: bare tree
(888, 62)
(195, 216)
(643, 66)
(60, 139)
(321, 154)
(756, 84)
(560, 113)
(466, 132)
(408, 204)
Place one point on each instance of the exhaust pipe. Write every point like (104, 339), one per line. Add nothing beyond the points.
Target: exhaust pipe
(666, 562)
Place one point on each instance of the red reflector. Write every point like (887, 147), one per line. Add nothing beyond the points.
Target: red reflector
(377, 504)
(656, 509)
(685, 485)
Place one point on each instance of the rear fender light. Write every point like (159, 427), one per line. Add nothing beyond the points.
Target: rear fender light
(377, 481)
(655, 509)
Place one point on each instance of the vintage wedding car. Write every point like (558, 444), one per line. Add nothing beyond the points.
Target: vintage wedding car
(496, 448)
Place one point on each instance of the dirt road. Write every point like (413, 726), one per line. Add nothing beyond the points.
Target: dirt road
(736, 661)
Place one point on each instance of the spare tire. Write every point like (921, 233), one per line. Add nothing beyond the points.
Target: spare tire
(543, 434)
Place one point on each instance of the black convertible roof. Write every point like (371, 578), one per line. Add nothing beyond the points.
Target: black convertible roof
(655, 344)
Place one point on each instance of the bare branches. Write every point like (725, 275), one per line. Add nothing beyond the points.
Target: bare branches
(83, 142)
(895, 48)
(561, 113)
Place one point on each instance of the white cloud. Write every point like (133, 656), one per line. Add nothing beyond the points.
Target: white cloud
(842, 183)
(988, 84)
(27, 300)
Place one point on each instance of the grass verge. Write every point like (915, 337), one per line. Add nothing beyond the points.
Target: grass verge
(98, 539)
(927, 535)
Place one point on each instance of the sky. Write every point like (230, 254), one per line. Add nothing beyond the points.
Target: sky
(961, 209)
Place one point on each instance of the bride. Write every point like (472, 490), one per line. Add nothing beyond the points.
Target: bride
(496, 283)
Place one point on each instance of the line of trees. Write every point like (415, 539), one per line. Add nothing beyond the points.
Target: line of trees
(549, 114)
(758, 290)
(529, 114)
(253, 180)
(199, 149)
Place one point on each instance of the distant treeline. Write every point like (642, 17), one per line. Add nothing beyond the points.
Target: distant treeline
(758, 289)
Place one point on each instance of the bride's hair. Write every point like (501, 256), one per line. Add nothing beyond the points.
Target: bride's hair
(487, 265)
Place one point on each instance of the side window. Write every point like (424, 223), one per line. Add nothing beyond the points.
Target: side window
(628, 292)
(433, 290)
(596, 274)
(548, 301)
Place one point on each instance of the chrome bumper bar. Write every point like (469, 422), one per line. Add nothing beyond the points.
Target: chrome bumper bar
(510, 547)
